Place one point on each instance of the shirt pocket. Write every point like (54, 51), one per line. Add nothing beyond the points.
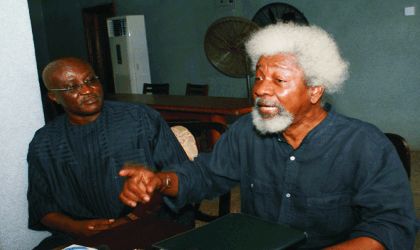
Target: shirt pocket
(330, 215)
(263, 202)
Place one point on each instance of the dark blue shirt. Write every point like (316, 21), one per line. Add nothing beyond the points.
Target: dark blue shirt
(73, 170)
(345, 180)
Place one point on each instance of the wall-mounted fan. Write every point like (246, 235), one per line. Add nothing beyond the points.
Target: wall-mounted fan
(279, 12)
(224, 44)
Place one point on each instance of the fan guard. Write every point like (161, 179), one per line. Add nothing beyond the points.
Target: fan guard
(224, 44)
(279, 12)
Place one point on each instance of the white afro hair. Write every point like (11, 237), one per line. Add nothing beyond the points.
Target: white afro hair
(316, 52)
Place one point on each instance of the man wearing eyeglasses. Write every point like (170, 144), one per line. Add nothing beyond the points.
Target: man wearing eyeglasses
(74, 160)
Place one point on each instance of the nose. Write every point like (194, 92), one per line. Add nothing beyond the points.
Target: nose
(262, 88)
(85, 90)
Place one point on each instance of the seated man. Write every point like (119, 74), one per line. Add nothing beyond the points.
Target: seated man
(74, 160)
(298, 162)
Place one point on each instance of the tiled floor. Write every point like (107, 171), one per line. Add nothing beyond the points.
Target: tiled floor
(211, 207)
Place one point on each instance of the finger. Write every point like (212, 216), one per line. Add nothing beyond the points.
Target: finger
(131, 199)
(101, 224)
(107, 222)
(127, 201)
(98, 228)
(134, 190)
(154, 184)
(128, 172)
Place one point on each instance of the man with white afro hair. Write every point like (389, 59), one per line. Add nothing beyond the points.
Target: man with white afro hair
(299, 163)
(316, 52)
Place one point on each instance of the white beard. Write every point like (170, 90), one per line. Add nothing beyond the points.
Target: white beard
(272, 125)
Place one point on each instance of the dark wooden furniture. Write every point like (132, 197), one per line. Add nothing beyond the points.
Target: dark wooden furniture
(403, 150)
(156, 88)
(196, 89)
(97, 41)
(203, 108)
(197, 128)
(200, 90)
(138, 234)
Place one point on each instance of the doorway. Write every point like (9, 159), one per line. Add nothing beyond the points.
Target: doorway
(96, 31)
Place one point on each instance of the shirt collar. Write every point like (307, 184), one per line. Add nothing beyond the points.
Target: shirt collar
(319, 129)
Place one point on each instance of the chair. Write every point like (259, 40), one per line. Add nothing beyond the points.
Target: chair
(196, 128)
(187, 141)
(199, 90)
(403, 150)
(195, 89)
(156, 88)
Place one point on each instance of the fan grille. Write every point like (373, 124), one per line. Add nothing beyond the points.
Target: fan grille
(279, 12)
(224, 44)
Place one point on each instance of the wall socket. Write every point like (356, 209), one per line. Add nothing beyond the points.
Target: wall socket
(225, 3)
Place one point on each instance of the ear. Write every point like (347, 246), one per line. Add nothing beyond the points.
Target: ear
(316, 93)
(52, 97)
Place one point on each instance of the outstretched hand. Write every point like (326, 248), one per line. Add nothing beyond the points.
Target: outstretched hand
(139, 185)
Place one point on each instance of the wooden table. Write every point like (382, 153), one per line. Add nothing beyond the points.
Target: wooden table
(204, 108)
(138, 234)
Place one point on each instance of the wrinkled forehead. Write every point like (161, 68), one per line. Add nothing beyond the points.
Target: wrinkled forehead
(281, 61)
(70, 71)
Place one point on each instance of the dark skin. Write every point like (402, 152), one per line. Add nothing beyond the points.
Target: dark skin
(82, 107)
(279, 80)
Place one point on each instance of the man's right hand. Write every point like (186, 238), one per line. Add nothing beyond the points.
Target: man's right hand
(139, 185)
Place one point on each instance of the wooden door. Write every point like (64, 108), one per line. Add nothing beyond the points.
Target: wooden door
(96, 32)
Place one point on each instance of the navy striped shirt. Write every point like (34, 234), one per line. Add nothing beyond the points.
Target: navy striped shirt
(73, 170)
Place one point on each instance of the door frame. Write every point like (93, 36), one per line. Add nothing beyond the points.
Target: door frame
(97, 42)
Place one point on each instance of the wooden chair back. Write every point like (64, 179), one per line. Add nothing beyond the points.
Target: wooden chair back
(197, 128)
(156, 88)
(196, 89)
(403, 150)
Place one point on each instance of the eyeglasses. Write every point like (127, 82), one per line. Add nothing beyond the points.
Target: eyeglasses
(77, 87)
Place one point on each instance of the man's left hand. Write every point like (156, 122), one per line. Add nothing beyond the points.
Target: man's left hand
(97, 226)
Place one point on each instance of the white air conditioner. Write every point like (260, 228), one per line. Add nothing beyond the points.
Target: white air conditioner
(130, 59)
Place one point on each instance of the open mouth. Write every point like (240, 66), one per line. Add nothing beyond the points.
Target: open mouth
(269, 110)
(266, 108)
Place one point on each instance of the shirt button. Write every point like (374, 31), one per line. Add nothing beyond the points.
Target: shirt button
(252, 184)
(292, 158)
(288, 195)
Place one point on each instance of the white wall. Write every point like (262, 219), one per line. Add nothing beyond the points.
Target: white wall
(21, 115)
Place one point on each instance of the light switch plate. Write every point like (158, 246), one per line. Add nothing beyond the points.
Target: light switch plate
(409, 11)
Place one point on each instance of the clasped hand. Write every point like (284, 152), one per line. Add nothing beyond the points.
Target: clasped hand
(139, 185)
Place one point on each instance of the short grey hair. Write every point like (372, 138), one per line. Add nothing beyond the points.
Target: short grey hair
(316, 52)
